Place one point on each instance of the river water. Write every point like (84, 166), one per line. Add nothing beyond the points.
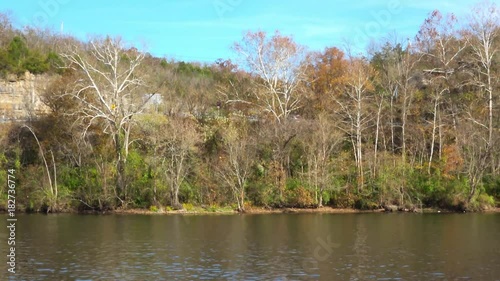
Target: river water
(371, 246)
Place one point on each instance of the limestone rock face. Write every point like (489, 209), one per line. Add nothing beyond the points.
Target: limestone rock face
(20, 97)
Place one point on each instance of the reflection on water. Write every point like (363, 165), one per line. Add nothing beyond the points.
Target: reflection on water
(360, 252)
(258, 247)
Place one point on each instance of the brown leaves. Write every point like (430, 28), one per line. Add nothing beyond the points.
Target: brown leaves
(453, 160)
(328, 71)
(277, 62)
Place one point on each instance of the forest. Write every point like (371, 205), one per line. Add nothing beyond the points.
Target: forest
(413, 122)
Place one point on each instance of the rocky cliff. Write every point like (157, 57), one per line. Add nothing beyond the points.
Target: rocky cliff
(20, 97)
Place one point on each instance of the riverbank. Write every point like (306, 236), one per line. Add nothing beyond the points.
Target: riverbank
(258, 210)
(261, 210)
(254, 210)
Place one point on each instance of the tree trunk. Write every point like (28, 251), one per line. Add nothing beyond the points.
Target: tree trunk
(379, 112)
(320, 203)
(241, 203)
(120, 169)
(403, 128)
(490, 121)
(434, 127)
(176, 196)
(120, 179)
(359, 150)
(393, 146)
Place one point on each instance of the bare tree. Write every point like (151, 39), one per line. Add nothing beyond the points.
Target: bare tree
(482, 31)
(389, 81)
(354, 108)
(278, 66)
(482, 34)
(235, 166)
(110, 92)
(179, 145)
(171, 142)
(380, 100)
(396, 64)
(475, 154)
(322, 141)
(439, 42)
(278, 62)
(405, 90)
(51, 176)
(153, 128)
(6, 30)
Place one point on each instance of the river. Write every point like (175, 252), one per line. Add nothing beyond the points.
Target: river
(372, 246)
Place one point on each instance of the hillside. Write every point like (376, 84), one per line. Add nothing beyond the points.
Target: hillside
(100, 125)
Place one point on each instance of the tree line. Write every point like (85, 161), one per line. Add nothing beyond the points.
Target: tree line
(412, 122)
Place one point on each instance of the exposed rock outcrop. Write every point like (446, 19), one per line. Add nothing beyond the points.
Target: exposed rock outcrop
(20, 97)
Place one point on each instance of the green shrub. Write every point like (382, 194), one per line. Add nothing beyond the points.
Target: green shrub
(492, 185)
(17, 51)
(187, 192)
(482, 202)
(343, 200)
(213, 208)
(188, 206)
(54, 62)
(35, 64)
(297, 195)
(261, 194)
(365, 204)
(327, 195)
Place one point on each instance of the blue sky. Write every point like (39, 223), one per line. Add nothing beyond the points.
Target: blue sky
(204, 30)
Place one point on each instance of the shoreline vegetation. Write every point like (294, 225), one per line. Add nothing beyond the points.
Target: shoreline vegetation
(323, 210)
(410, 124)
(262, 210)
